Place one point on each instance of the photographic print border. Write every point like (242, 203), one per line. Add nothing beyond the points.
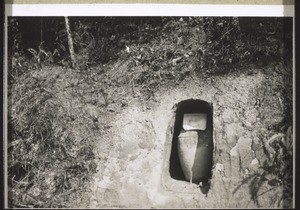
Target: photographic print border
(247, 8)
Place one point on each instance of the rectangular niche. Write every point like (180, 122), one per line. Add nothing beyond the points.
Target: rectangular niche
(189, 157)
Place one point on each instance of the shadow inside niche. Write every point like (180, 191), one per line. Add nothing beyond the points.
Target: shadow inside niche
(203, 155)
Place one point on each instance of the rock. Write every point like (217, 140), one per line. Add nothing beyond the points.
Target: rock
(251, 116)
(136, 135)
(146, 135)
(133, 195)
(228, 115)
(234, 162)
(254, 165)
(230, 165)
(260, 155)
(234, 152)
(245, 151)
(128, 150)
(176, 60)
(105, 183)
(110, 109)
(111, 196)
(219, 168)
(233, 131)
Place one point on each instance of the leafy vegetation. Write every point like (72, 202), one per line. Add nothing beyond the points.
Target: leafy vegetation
(276, 171)
(47, 161)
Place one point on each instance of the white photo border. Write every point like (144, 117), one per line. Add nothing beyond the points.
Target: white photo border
(95, 10)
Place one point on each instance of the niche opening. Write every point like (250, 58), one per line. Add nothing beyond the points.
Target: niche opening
(198, 133)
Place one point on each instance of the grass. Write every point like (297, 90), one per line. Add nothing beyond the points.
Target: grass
(46, 159)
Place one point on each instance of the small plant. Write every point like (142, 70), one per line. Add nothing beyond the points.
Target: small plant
(277, 170)
(41, 55)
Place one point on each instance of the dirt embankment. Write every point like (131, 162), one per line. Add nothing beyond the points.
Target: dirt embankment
(120, 142)
(246, 110)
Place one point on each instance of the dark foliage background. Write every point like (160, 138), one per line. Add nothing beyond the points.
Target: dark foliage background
(226, 44)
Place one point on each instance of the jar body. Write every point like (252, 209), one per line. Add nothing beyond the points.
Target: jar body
(195, 153)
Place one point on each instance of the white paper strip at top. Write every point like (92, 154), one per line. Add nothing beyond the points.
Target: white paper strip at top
(147, 10)
(194, 121)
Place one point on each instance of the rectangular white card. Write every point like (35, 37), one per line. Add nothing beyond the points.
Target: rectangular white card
(196, 121)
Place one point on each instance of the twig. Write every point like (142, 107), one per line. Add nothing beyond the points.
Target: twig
(118, 69)
(23, 206)
(226, 33)
(243, 182)
(266, 191)
(20, 182)
(14, 143)
(115, 73)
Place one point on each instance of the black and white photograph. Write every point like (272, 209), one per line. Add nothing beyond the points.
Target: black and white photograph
(191, 111)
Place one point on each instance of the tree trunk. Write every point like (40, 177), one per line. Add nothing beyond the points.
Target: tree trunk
(70, 42)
